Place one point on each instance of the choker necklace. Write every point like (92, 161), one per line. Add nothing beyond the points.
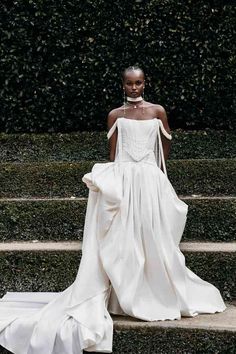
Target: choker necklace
(131, 99)
(136, 99)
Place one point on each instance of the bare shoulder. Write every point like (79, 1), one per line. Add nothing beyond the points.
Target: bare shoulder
(161, 114)
(112, 116)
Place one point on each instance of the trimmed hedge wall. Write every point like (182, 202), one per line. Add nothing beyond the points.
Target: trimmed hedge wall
(172, 340)
(61, 61)
(50, 180)
(210, 219)
(94, 146)
(63, 220)
(168, 340)
(48, 271)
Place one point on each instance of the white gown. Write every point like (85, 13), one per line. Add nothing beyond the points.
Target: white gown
(131, 261)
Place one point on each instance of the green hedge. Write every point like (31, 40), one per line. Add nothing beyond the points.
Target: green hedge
(61, 61)
(63, 220)
(94, 146)
(210, 219)
(171, 340)
(151, 339)
(44, 220)
(48, 271)
(201, 177)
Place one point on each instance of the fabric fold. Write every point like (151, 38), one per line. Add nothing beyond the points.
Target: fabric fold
(131, 261)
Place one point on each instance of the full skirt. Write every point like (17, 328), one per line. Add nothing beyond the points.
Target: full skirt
(131, 264)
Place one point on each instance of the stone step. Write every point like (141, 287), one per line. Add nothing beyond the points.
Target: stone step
(209, 218)
(43, 266)
(204, 177)
(94, 145)
(205, 333)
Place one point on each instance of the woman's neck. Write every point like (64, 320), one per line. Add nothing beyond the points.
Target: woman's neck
(135, 99)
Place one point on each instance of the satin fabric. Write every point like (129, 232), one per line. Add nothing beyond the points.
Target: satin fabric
(131, 262)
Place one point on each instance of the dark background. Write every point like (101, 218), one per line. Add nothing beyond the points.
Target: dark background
(61, 62)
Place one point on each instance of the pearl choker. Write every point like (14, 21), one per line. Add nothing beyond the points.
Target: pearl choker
(136, 99)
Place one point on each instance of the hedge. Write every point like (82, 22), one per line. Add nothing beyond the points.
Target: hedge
(62, 220)
(50, 180)
(151, 339)
(172, 340)
(61, 61)
(94, 146)
(48, 271)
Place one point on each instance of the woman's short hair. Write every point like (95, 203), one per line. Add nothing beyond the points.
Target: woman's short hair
(130, 68)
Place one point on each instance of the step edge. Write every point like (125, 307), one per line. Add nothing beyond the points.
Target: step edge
(184, 323)
(49, 246)
(57, 199)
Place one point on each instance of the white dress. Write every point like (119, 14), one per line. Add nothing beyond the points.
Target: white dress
(131, 262)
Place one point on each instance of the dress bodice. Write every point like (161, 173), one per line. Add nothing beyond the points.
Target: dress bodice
(139, 140)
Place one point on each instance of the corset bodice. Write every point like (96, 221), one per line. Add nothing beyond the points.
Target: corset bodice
(139, 140)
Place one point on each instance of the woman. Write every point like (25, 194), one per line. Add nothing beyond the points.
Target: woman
(131, 262)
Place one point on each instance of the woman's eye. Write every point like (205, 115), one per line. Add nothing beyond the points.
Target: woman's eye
(138, 83)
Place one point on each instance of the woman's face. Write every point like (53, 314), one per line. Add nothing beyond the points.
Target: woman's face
(134, 83)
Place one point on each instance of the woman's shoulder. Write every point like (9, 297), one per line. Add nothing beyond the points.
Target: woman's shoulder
(156, 110)
(159, 112)
(155, 106)
(160, 108)
(113, 115)
(115, 112)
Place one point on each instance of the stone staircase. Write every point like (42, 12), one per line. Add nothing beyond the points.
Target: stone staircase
(42, 210)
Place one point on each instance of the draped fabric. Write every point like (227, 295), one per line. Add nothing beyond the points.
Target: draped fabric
(131, 262)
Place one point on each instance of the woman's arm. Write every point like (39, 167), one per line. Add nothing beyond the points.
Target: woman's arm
(166, 143)
(111, 118)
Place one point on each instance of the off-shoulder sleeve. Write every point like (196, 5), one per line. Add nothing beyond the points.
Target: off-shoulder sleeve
(164, 132)
(111, 131)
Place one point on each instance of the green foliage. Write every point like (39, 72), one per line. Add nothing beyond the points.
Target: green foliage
(62, 220)
(42, 220)
(210, 219)
(61, 61)
(64, 179)
(48, 270)
(168, 339)
(94, 146)
(34, 271)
